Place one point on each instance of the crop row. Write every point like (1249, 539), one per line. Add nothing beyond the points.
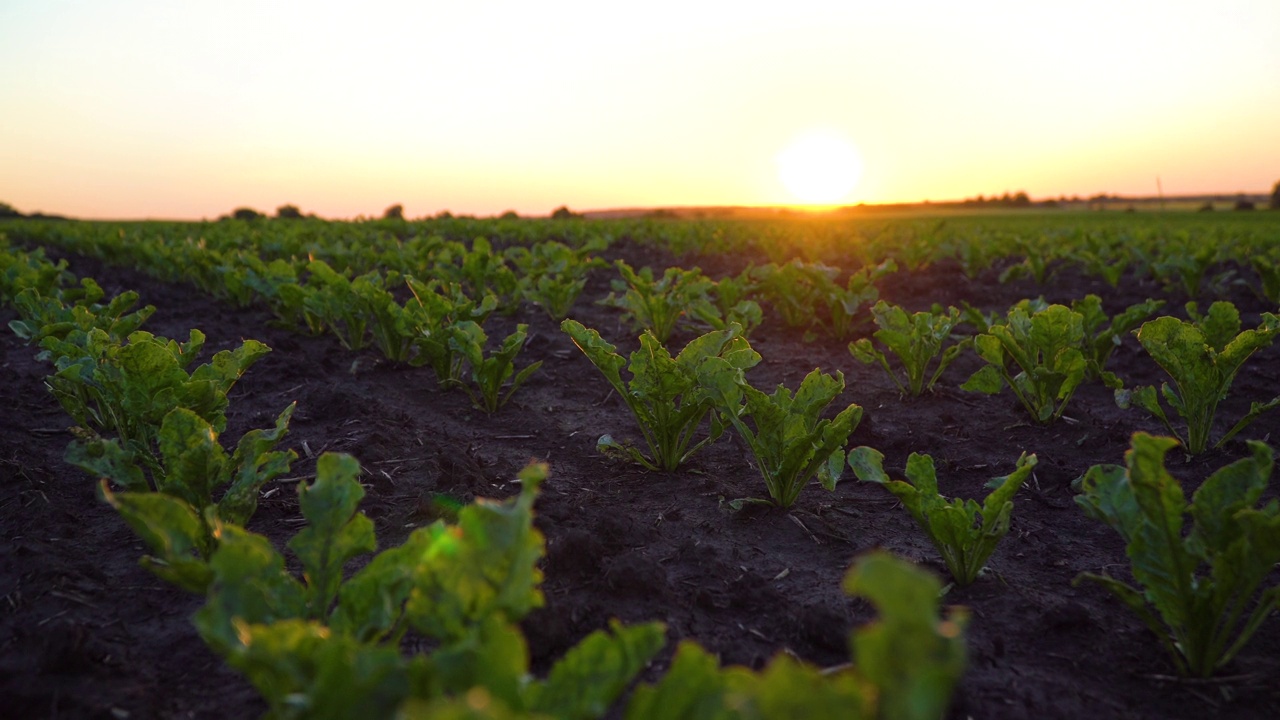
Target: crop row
(1040, 353)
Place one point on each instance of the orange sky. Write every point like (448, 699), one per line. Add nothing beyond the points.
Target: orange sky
(186, 110)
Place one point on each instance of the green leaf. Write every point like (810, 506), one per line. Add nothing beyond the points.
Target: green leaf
(485, 565)
(106, 459)
(491, 654)
(914, 658)
(249, 585)
(1202, 373)
(790, 689)
(694, 688)
(986, 380)
(335, 532)
(194, 462)
(587, 680)
(790, 442)
(302, 670)
(172, 530)
(253, 465)
(371, 602)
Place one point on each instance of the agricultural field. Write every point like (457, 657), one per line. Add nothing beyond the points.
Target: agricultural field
(410, 369)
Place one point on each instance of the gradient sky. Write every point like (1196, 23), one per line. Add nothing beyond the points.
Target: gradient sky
(141, 108)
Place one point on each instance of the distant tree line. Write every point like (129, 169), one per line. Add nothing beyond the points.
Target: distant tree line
(8, 211)
(1019, 199)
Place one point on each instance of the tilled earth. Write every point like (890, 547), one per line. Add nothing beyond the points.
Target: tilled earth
(85, 632)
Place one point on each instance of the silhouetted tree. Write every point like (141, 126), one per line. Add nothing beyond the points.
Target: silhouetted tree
(395, 212)
(8, 211)
(1275, 197)
(564, 213)
(509, 215)
(288, 212)
(1245, 204)
(245, 213)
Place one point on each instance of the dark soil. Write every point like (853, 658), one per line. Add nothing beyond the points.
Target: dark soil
(85, 632)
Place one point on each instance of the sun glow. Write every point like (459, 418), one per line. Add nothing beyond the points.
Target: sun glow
(819, 168)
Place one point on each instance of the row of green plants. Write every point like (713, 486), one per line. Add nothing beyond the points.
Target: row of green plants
(1183, 251)
(322, 643)
(1041, 353)
(1199, 593)
(545, 264)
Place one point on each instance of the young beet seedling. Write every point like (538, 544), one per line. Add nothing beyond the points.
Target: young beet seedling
(731, 303)
(1102, 334)
(490, 374)
(1202, 357)
(663, 393)
(915, 339)
(552, 274)
(963, 532)
(790, 442)
(1194, 588)
(431, 315)
(128, 389)
(1037, 355)
(659, 305)
(177, 519)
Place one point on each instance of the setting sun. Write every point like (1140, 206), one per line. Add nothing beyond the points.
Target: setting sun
(819, 168)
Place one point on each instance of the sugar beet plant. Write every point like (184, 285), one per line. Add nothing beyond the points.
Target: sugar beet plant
(552, 274)
(663, 393)
(1194, 589)
(964, 532)
(803, 293)
(58, 316)
(917, 340)
(731, 303)
(1202, 357)
(1040, 356)
(127, 389)
(492, 372)
(1102, 333)
(790, 440)
(432, 314)
(658, 305)
(178, 519)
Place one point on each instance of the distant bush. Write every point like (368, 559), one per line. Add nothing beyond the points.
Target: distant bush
(564, 213)
(1244, 204)
(288, 212)
(1275, 197)
(245, 213)
(395, 212)
(8, 211)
